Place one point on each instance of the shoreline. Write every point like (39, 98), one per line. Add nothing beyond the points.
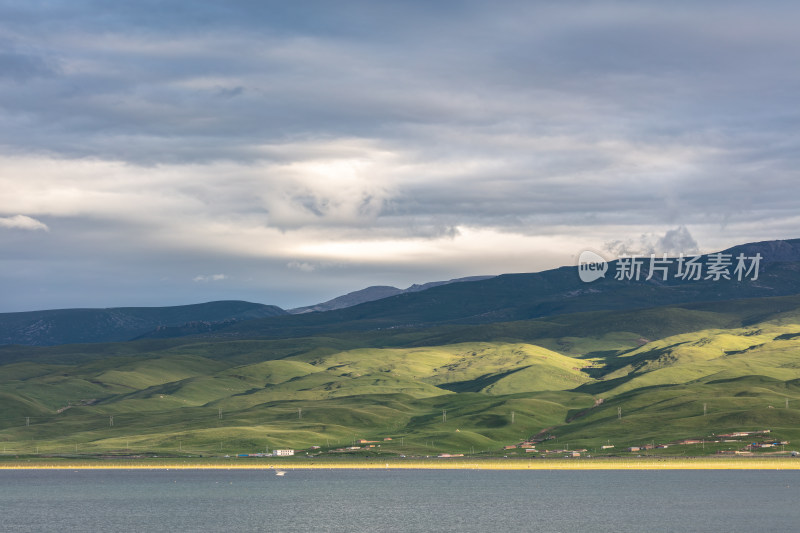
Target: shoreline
(621, 464)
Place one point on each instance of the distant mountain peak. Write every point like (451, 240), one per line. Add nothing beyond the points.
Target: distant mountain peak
(350, 299)
(771, 251)
(431, 284)
(375, 292)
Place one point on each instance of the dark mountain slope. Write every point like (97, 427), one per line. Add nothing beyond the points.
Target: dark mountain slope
(525, 296)
(370, 294)
(62, 326)
(376, 292)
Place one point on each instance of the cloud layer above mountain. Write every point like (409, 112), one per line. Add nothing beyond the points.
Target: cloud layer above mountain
(309, 149)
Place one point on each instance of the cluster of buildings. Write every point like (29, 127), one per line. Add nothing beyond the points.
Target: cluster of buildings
(765, 444)
(365, 445)
(530, 447)
(655, 446)
(734, 437)
(275, 453)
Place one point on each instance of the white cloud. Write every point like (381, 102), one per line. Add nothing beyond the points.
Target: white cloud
(302, 266)
(23, 222)
(211, 277)
(673, 242)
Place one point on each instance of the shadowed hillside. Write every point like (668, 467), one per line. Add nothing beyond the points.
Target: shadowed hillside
(62, 326)
(513, 297)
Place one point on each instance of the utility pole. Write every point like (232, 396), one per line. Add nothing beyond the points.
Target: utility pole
(705, 406)
(220, 413)
(444, 416)
(27, 421)
(110, 421)
(512, 417)
(299, 413)
(619, 413)
(787, 403)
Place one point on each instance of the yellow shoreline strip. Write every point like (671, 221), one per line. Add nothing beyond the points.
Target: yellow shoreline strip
(683, 464)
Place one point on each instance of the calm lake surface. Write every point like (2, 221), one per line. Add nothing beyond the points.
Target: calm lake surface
(408, 500)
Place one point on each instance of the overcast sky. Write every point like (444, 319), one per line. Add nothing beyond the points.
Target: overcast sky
(171, 152)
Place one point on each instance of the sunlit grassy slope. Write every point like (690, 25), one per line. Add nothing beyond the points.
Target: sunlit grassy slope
(621, 378)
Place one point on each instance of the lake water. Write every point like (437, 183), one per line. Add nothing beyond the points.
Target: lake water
(407, 500)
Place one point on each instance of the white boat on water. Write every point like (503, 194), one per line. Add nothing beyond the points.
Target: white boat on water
(280, 473)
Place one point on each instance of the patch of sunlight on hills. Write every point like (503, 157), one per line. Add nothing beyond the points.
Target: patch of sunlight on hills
(717, 354)
(616, 341)
(325, 385)
(586, 380)
(493, 368)
(696, 410)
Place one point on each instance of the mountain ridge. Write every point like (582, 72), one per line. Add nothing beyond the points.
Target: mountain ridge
(471, 300)
(510, 297)
(63, 326)
(375, 292)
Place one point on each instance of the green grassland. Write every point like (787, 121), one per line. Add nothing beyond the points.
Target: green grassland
(582, 381)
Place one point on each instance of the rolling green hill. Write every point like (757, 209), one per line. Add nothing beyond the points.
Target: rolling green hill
(469, 367)
(582, 380)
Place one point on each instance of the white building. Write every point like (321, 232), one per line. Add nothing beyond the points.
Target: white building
(281, 453)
